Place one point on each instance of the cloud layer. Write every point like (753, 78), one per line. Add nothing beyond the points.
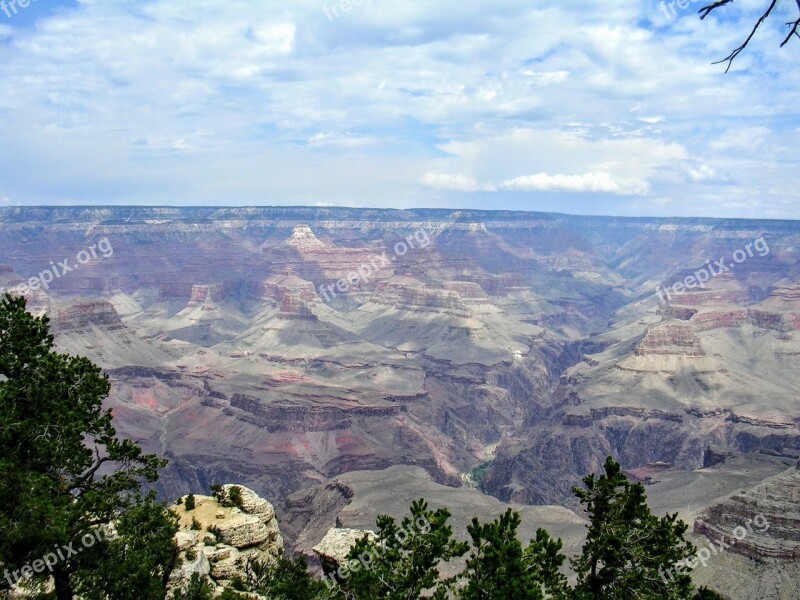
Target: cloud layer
(587, 108)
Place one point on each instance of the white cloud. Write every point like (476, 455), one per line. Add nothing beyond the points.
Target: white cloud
(529, 159)
(454, 182)
(337, 140)
(546, 77)
(136, 102)
(588, 182)
(702, 173)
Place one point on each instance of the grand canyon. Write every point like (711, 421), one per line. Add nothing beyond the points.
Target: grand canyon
(342, 362)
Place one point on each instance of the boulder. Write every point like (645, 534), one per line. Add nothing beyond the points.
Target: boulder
(229, 538)
(334, 547)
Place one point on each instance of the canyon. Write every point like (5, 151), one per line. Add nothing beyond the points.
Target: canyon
(337, 361)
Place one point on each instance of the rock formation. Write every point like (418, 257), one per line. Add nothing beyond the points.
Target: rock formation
(218, 541)
(303, 238)
(762, 522)
(536, 343)
(334, 547)
(83, 314)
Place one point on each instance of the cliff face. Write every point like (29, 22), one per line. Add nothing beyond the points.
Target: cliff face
(283, 347)
(760, 522)
(677, 339)
(83, 314)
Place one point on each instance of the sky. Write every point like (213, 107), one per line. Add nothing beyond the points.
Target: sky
(578, 107)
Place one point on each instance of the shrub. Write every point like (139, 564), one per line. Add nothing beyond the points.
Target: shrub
(235, 496)
(214, 530)
(198, 588)
(219, 494)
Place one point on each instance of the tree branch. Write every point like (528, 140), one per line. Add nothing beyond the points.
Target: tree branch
(794, 25)
(706, 10)
(732, 56)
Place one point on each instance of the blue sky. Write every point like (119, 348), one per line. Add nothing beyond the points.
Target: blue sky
(570, 106)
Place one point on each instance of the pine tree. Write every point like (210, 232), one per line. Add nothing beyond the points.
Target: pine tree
(136, 563)
(63, 470)
(499, 569)
(627, 549)
(284, 579)
(197, 588)
(402, 563)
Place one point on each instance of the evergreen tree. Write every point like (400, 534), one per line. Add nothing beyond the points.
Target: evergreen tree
(63, 470)
(198, 588)
(284, 580)
(499, 569)
(135, 564)
(543, 558)
(402, 563)
(627, 549)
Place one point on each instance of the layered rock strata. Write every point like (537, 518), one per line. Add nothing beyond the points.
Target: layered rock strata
(218, 541)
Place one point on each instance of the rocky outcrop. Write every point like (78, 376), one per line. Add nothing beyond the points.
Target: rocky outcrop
(303, 238)
(292, 294)
(334, 547)
(218, 541)
(682, 313)
(206, 294)
(717, 319)
(284, 417)
(765, 319)
(84, 314)
(405, 293)
(469, 292)
(671, 339)
(760, 522)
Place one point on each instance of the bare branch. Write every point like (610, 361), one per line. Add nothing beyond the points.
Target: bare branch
(794, 25)
(730, 58)
(706, 10)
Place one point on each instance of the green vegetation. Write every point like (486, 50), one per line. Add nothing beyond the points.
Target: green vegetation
(478, 474)
(706, 594)
(403, 561)
(214, 531)
(499, 567)
(231, 497)
(64, 473)
(627, 548)
(235, 496)
(197, 589)
(284, 580)
(66, 477)
(136, 564)
(218, 492)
